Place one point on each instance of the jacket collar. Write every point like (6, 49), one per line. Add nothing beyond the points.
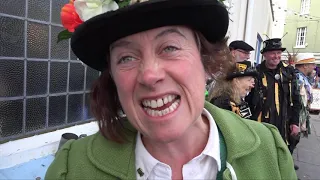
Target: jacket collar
(264, 68)
(119, 160)
(114, 158)
(240, 137)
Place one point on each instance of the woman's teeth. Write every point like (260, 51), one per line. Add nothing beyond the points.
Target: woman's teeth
(149, 105)
(156, 113)
(159, 102)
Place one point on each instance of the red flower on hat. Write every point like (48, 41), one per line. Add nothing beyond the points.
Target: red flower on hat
(69, 17)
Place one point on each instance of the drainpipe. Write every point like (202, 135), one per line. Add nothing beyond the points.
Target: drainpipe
(248, 24)
(241, 19)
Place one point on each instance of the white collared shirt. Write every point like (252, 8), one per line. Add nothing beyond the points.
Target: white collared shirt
(204, 166)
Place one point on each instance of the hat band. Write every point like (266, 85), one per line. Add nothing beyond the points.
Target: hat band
(306, 61)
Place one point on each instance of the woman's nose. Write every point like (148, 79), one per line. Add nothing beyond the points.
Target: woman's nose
(150, 73)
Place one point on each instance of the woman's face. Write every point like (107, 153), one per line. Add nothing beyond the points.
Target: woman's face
(244, 85)
(160, 81)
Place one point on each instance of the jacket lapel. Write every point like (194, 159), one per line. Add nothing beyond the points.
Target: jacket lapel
(239, 136)
(113, 158)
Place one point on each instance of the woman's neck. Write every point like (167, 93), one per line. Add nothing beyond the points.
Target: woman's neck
(182, 150)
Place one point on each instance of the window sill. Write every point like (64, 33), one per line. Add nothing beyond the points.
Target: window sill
(299, 47)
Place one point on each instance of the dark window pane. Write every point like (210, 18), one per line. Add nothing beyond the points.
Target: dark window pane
(11, 117)
(76, 77)
(56, 9)
(58, 77)
(73, 56)
(92, 75)
(13, 7)
(37, 78)
(57, 110)
(75, 104)
(11, 37)
(58, 50)
(87, 110)
(38, 40)
(36, 114)
(11, 78)
(39, 9)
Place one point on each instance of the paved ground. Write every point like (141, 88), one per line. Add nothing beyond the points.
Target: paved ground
(307, 153)
(32, 170)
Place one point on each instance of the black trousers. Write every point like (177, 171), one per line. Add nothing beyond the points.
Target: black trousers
(291, 148)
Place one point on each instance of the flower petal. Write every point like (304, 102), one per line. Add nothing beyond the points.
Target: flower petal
(110, 7)
(90, 8)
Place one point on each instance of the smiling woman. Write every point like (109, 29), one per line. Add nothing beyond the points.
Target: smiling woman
(154, 56)
(234, 88)
(140, 63)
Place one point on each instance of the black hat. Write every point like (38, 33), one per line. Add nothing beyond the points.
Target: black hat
(91, 40)
(242, 69)
(240, 45)
(272, 45)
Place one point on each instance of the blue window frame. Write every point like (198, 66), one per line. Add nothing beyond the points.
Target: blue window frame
(258, 56)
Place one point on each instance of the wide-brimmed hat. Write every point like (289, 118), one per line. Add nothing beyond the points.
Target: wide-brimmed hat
(305, 58)
(272, 45)
(242, 69)
(91, 40)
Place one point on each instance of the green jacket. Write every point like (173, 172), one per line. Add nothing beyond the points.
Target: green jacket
(254, 150)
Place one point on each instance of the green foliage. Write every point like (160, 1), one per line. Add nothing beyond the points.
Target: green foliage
(64, 35)
(122, 3)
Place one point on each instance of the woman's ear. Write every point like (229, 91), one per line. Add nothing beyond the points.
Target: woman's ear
(235, 81)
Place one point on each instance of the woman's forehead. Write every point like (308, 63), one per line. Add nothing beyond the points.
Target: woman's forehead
(155, 34)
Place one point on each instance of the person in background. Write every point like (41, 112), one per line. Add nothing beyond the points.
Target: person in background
(275, 98)
(317, 82)
(312, 77)
(154, 56)
(240, 50)
(232, 90)
(305, 65)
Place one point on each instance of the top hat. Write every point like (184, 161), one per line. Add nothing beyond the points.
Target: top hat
(272, 45)
(91, 40)
(242, 69)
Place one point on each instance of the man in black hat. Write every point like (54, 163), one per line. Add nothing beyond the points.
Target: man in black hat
(275, 98)
(240, 50)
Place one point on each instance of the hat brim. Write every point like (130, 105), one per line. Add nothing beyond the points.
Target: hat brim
(241, 74)
(91, 40)
(266, 50)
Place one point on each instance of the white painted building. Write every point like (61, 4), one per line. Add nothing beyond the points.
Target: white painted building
(279, 7)
(251, 21)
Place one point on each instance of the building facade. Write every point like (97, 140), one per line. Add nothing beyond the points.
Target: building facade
(302, 27)
(44, 88)
(251, 21)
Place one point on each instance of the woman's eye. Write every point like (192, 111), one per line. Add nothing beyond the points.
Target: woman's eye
(126, 59)
(170, 49)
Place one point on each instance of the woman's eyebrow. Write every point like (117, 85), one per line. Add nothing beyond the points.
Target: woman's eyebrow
(169, 31)
(161, 34)
(119, 44)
